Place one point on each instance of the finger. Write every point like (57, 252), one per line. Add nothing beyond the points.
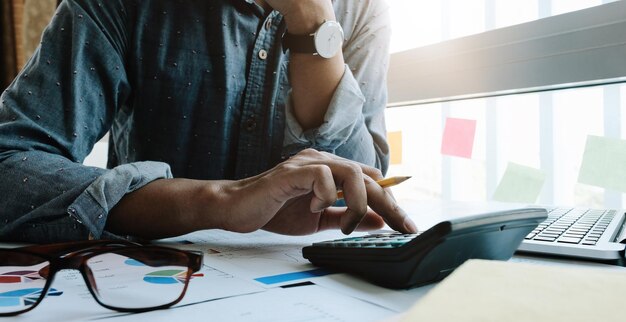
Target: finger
(324, 189)
(350, 178)
(318, 180)
(383, 203)
(311, 156)
(331, 219)
(289, 181)
(371, 221)
(372, 172)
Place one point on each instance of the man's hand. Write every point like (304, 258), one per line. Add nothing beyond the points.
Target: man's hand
(295, 197)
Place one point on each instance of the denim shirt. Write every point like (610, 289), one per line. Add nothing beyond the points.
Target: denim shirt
(186, 88)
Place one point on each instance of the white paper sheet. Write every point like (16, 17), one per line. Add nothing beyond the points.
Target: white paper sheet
(303, 303)
(395, 300)
(268, 259)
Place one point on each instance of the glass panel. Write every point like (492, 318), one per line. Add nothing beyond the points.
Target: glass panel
(547, 132)
(463, 18)
(414, 23)
(420, 23)
(577, 114)
(563, 6)
(469, 172)
(418, 157)
(508, 13)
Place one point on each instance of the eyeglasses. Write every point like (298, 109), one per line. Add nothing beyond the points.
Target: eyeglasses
(121, 275)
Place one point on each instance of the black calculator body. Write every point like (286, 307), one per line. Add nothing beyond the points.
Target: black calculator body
(408, 260)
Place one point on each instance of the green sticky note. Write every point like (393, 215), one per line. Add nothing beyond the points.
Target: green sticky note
(604, 163)
(520, 184)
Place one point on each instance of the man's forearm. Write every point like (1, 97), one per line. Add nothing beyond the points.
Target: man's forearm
(164, 208)
(313, 79)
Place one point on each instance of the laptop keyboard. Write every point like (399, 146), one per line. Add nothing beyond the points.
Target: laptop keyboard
(573, 226)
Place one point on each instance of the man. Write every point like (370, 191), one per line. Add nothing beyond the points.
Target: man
(209, 92)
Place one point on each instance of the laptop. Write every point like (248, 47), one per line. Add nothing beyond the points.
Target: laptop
(592, 234)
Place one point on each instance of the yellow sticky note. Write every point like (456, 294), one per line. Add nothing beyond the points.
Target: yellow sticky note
(395, 146)
(604, 163)
(520, 184)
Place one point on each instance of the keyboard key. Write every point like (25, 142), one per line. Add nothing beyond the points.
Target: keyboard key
(539, 238)
(549, 235)
(569, 240)
(573, 235)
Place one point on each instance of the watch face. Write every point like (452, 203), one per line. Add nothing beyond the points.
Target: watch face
(328, 39)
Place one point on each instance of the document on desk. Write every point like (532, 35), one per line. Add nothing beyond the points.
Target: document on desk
(72, 301)
(273, 260)
(482, 290)
(304, 303)
(269, 260)
(395, 300)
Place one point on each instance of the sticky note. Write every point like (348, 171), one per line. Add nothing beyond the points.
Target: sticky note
(604, 163)
(395, 146)
(520, 184)
(458, 137)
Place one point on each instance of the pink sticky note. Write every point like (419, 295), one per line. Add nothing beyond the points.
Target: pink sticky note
(458, 137)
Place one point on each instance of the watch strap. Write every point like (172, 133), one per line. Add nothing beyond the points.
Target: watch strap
(299, 43)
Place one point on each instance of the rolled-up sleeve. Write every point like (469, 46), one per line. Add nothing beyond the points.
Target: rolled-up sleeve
(62, 102)
(354, 124)
(92, 206)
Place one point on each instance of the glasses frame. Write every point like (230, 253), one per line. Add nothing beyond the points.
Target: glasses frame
(74, 255)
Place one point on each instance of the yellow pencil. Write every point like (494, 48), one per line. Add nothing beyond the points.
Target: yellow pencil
(387, 182)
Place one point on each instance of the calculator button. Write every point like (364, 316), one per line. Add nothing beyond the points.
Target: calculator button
(323, 244)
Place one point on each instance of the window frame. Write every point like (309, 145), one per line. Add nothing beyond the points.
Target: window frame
(576, 49)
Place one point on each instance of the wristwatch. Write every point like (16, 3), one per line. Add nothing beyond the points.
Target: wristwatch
(325, 42)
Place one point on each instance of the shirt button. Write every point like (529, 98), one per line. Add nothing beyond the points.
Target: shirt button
(268, 24)
(263, 54)
(250, 125)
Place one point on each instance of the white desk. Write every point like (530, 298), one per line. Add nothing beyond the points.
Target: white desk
(235, 286)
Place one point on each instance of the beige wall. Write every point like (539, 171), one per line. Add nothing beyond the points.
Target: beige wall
(37, 14)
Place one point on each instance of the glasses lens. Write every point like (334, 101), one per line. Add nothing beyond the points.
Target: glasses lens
(138, 278)
(22, 281)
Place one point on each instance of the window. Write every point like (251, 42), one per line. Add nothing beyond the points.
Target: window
(420, 23)
(542, 131)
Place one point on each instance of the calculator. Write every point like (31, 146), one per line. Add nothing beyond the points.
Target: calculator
(396, 260)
